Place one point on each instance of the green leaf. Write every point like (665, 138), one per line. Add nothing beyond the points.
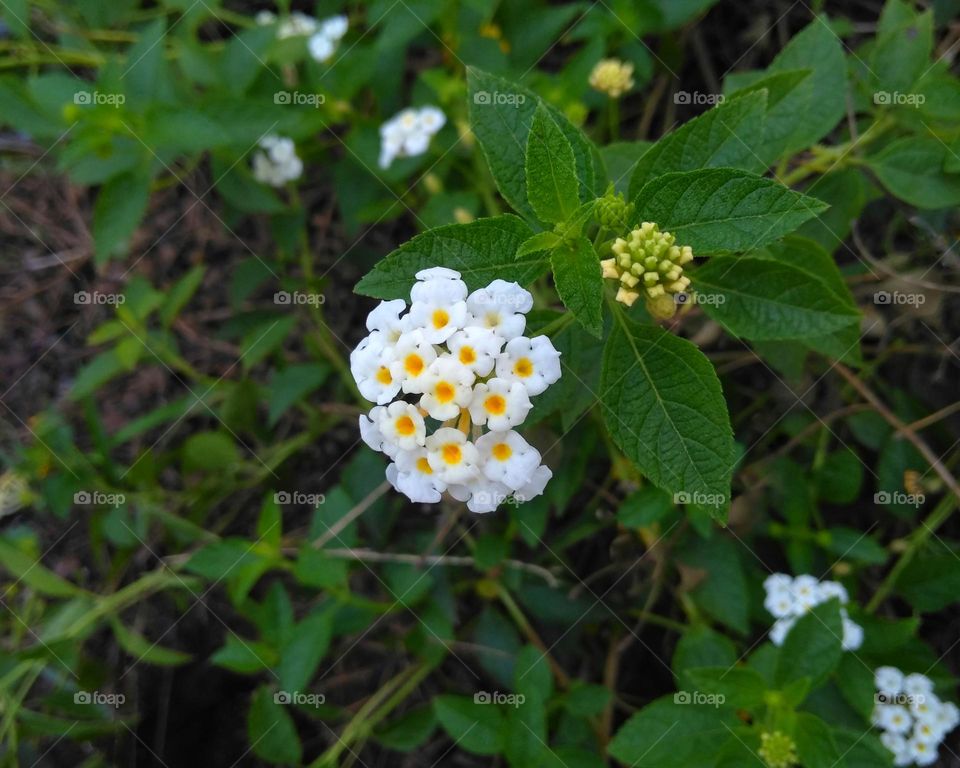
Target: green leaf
(306, 646)
(812, 648)
(180, 294)
(409, 731)
(501, 113)
(315, 568)
(664, 408)
(475, 727)
(142, 649)
(722, 209)
(292, 384)
(723, 592)
(209, 452)
(740, 687)
(551, 171)
(931, 582)
(271, 730)
(29, 571)
(480, 251)
(265, 338)
(815, 744)
(119, 208)
(853, 544)
(671, 734)
(723, 137)
(576, 273)
(765, 300)
(903, 47)
(245, 657)
(912, 168)
(540, 242)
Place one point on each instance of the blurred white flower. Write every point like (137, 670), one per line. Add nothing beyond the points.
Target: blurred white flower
(276, 162)
(408, 133)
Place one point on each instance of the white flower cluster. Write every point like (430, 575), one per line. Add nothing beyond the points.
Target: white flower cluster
(913, 720)
(790, 598)
(324, 35)
(276, 163)
(408, 133)
(465, 360)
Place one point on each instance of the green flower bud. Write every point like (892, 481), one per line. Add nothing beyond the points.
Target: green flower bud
(647, 262)
(613, 211)
(778, 750)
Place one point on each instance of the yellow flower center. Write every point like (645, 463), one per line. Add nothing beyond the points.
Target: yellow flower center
(467, 355)
(451, 453)
(495, 404)
(405, 426)
(502, 451)
(424, 466)
(523, 367)
(440, 318)
(493, 319)
(383, 375)
(413, 364)
(445, 391)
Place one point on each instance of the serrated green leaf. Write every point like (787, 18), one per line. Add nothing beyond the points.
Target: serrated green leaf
(740, 687)
(475, 727)
(721, 209)
(292, 384)
(576, 273)
(664, 408)
(119, 208)
(551, 171)
(501, 113)
(540, 242)
(305, 647)
(903, 47)
(480, 251)
(178, 296)
(723, 137)
(765, 300)
(912, 168)
(813, 647)
(815, 744)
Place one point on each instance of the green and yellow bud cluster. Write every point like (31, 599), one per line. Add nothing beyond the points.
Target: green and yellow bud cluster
(778, 750)
(647, 262)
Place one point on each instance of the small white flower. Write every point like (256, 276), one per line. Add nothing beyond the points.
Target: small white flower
(412, 358)
(402, 425)
(276, 163)
(780, 629)
(507, 458)
(484, 495)
(806, 592)
(334, 27)
(452, 457)
(535, 363)
(779, 604)
(370, 365)
(438, 309)
(385, 317)
(265, 18)
(896, 743)
(296, 25)
(477, 348)
(831, 589)
(499, 404)
(447, 387)
(432, 120)
(923, 706)
(917, 685)
(776, 582)
(947, 717)
(408, 133)
(893, 718)
(501, 306)
(413, 476)
(370, 431)
(922, 751)
(536, 485)
(888, 680)
(852, 634)
(321, 47)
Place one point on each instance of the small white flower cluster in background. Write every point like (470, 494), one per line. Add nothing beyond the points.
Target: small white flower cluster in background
(324, 35)
(468, 367)
(790, 598)
(277, 162)
(911, 717)
(408, 133)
